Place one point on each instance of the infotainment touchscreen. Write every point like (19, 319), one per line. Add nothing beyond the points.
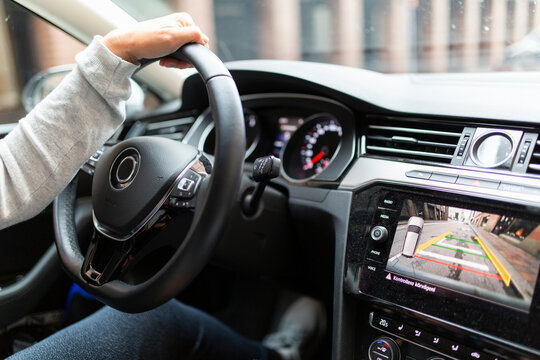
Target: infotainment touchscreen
(486, 255)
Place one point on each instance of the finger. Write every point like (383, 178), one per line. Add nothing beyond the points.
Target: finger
(173, 63)
(205, 39)
(183, 19)
(189, 34)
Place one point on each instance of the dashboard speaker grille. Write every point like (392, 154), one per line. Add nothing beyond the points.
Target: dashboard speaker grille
(534, 163)
(408, 138)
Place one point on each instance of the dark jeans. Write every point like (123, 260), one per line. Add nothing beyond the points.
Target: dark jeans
(171, 331)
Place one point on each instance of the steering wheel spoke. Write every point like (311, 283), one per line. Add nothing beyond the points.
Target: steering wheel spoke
(185, 192)
(110, 255)
(89, 167)
(105, 259)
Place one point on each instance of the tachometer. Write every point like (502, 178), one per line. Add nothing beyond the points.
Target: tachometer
(312, 147)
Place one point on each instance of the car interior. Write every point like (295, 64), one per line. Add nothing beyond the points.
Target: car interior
(408, 204)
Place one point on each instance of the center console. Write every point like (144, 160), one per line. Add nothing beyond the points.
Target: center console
(447, 276)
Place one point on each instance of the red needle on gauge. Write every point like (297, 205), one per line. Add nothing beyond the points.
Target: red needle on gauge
(314, 160)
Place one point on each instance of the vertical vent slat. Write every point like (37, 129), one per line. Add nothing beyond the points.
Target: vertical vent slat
(417, 139)
(534, 163)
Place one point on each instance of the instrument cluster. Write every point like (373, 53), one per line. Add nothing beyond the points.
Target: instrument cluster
(313, 136)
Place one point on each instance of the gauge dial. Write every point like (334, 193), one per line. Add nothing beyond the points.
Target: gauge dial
(253, 130)
(312, 147)
(253, 134)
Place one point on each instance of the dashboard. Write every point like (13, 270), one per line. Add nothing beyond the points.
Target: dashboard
(415, 201)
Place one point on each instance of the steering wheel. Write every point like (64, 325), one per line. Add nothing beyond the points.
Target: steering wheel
(142, 190)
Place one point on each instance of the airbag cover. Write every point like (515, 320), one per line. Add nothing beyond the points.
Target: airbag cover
(132, 177)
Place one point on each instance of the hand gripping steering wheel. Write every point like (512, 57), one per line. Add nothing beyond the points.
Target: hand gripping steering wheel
(141, 192)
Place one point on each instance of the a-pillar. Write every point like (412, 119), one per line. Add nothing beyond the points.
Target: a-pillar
(280, 29)
(348, 24)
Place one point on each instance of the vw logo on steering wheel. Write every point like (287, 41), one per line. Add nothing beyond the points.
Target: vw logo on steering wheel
(124, 168)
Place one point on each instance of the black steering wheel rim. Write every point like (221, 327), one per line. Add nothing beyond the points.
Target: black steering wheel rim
(209, 220)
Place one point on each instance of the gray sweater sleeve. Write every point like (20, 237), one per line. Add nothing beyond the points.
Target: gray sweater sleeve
(43, 153)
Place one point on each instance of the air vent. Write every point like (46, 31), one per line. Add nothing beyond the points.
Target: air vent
(534, 163)
(419, 139)
(173, 129)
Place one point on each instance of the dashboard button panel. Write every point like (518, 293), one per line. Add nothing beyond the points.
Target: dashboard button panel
(418, 174)
(483, 183)
(417, 335)
(472, 181)
(447, 178)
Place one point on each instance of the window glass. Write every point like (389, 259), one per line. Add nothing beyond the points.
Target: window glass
(390, 36)
(28, 45)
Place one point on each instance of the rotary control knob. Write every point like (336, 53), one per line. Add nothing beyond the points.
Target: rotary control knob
(384, 348)
(379, 234)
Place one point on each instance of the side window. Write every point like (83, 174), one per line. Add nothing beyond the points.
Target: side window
(28, 45)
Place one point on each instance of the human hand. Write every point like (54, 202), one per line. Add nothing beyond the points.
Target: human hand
(155, 38)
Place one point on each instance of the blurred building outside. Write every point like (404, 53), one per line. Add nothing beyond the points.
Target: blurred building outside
(425, 210)
(391, 36)
(522, 233)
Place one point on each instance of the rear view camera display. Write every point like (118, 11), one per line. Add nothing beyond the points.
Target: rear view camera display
(490, 256)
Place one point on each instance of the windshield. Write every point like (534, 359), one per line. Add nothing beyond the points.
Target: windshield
(391, 36)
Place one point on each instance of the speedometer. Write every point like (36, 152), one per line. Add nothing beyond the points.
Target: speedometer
(312, 147)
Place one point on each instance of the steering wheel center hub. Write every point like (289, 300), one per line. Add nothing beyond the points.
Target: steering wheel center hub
(131, 180)
(125, 168)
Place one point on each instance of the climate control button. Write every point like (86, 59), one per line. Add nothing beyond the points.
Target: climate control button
(384, 348)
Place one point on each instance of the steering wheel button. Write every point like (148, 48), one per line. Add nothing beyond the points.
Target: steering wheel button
(187, 204)
(418, 174)
(97, 155)
(186, 184)
(191, 175)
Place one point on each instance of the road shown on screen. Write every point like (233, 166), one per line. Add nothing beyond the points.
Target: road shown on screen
(453, 250)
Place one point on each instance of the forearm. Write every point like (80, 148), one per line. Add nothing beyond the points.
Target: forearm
(41, 155)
